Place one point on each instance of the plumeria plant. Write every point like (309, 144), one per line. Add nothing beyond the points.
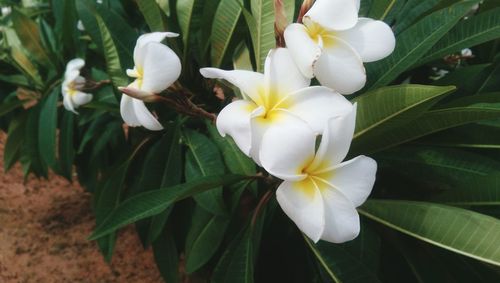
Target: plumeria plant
(268, 140)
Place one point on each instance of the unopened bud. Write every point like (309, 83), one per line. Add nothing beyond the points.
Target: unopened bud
(280, 22)
(306, 5)
(139, 94)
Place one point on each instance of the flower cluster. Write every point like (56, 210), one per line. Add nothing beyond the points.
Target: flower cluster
(281, 116)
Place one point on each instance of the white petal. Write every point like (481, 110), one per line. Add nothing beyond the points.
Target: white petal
(147, 38)
(335, 141)
(354, 178)
(316, 105)
(161, 67)
(358, 4)
(341, 217)
(80, 98)
(234, 120)
(68, 104)
(250, 83)
(70, 76)
(75, 65)
(333, 14)
(302, 202)
(127, 111)
(304, 50)
(339, 67)
(373, 40)
(282, 75)
(146, 119)
(286, 145)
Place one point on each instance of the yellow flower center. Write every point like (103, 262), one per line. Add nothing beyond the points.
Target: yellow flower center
(320, 35)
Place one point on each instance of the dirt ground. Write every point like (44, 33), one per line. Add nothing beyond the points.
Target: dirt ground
(43, 230)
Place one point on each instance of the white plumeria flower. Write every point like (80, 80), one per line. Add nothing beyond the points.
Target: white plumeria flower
(80, 26)
(156, 68)
(333, 43)
(72, 84)
(279, 98)
(6, 11)
(320, 193)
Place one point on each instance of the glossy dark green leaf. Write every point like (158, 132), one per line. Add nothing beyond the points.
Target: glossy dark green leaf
(66, 145)
(13, 145)
(236, 264)
(113, 64)
(204, 237)
(468, 33)
(414, 42)
(154, 202)
(152, 14)
(166, 256)
(225, 21)
(203, 159)
(459, 230)
(47, 127)
(348, 262)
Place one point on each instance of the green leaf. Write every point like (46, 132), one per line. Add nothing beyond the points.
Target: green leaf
(171, 175)
(348, 262)
(412, 10)
(468, 136)
(20, 57)
(7, 107)
(29, 34)
(189, 21)
(152, 14)
(225, 20)
(123, 36)
(48, 126)
(164, 5)
(467, 33)
(414, 42)
(236, 264)
(459, 230)
(483, 190)
(203, 159)
(108, 199)
(31, 153)
(113, 64)
(166, 256)
(262, 30)
(431, 122)
(204, 237)
(386, 108)
(154, 202)
(13, 145)
(66, 145)
(66, 23)
(380, 9)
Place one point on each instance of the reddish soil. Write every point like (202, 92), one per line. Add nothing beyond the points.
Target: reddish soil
(43, 229)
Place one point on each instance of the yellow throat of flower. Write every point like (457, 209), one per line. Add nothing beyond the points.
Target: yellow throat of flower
(320, 35)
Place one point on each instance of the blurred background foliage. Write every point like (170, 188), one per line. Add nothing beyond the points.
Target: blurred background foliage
(429, 115)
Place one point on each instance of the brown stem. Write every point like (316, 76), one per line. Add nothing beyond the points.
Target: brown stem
(180, 103)
(92, 85)
(263, 200)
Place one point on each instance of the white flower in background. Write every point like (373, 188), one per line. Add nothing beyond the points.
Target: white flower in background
(466, 52)
(80, 26)
(72, 84)
(279, 98)
(6, 11)
(320, 193)
(156, 68)
(332, 44)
